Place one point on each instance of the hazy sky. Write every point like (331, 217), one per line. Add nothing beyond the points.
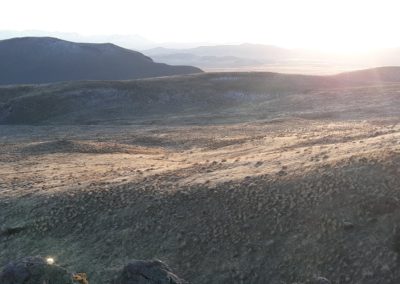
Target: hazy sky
(322, 24)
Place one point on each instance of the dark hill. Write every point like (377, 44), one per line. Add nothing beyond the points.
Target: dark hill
(207, 97)
(43, 60)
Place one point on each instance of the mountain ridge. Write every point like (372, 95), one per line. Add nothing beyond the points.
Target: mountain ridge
(35, 60)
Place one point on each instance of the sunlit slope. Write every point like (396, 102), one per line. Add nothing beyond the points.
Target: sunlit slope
(219, 203)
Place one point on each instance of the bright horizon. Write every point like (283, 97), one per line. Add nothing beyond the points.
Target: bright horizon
(342, 26)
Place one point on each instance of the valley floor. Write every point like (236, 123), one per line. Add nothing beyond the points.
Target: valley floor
(280, 201)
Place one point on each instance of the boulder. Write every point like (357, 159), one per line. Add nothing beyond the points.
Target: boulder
(147, 272)
(34, 270)
(321, 280)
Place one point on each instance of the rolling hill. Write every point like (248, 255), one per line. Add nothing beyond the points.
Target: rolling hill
(208, 97)
(32, 60)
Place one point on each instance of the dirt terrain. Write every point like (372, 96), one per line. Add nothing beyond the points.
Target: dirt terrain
(258, 194)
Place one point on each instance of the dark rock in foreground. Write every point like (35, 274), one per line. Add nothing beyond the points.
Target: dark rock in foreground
(34, 270)
(147, 272)
(321, 280)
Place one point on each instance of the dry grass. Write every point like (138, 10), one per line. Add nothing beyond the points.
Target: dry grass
(228, 178)
(218, 203)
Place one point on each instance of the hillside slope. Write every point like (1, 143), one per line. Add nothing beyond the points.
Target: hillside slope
(211, 97)
(43, 60)
(385, 74)
(226, 177)
(279, 202)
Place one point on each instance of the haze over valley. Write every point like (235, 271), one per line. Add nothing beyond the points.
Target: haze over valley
(237, 57)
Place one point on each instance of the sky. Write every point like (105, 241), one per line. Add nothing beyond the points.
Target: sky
(332, 25)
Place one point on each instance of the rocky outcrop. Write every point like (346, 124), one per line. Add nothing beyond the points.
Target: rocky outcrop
(37, 270)
(147, 272)
(34, 270)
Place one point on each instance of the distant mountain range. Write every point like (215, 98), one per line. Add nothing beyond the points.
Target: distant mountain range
(222, 56)
(257, 55)
(135, 42)
(130, 41)
(45, 59)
